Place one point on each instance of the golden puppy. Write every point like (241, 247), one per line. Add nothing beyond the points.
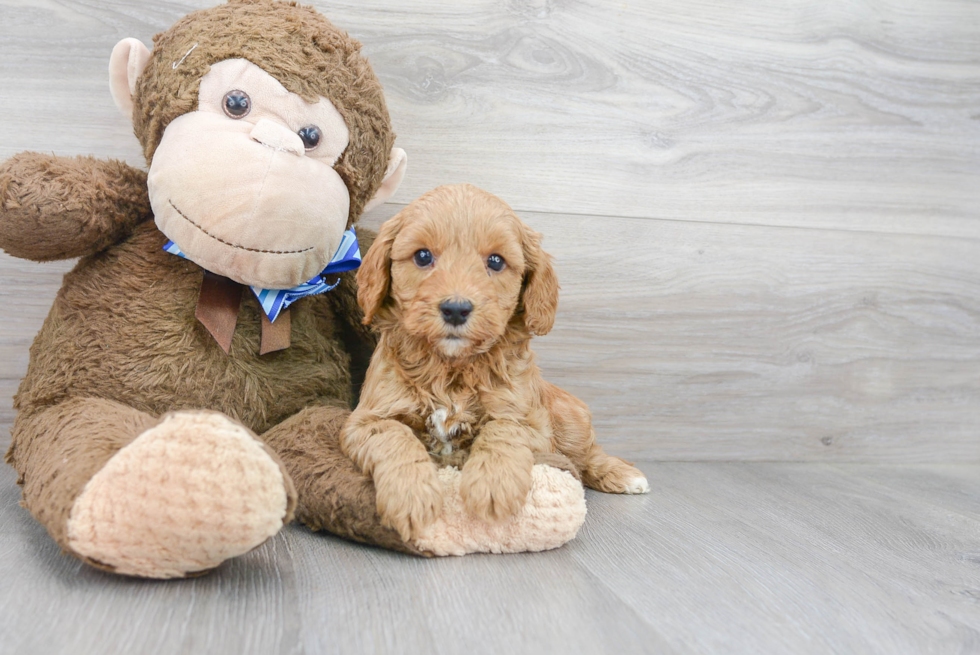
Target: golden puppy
(456, 285)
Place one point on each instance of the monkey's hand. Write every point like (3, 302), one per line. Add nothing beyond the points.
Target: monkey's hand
(62, 207)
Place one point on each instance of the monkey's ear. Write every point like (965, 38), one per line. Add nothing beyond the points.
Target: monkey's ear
(394, 175)
(374, 274)
(127, 61)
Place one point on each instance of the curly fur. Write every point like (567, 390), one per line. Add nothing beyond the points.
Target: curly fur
(434, 388)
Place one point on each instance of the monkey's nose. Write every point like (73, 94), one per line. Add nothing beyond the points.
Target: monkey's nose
(272, 134)
(455, 312)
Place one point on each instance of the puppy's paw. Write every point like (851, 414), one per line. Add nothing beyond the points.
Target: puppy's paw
(494, 490)
(637, 485)
(409, 498)
(618, 477)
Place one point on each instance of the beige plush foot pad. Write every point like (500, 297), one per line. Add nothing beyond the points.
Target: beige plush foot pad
(552, 515)
(184, 496)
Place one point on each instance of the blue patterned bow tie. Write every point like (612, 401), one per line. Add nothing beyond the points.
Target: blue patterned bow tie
(273, 301)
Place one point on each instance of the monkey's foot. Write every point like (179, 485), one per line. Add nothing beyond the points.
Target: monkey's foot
(551, 516)
(185, 495)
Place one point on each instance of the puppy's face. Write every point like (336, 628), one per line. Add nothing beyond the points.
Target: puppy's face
(456, 266)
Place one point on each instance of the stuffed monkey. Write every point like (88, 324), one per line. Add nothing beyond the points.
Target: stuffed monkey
(185, 394)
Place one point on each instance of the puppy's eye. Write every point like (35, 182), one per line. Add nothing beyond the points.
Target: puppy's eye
(496, 263)
(236, 104)
(423, 258)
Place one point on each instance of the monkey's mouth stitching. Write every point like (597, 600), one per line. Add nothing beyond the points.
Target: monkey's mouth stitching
(234, 245)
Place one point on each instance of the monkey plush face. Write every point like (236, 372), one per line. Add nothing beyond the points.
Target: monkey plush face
(266, 136)
(245, 185)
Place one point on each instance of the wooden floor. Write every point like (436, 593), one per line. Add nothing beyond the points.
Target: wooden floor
(766, 223)
(720, 558)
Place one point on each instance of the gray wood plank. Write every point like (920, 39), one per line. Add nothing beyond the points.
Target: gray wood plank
(689, 340)
(525, 603)
(949, 487)
(791, 558)
(693, 341)
(832, 114)
(720, 558)
(829, 114)
(51, 604)
(727, 342)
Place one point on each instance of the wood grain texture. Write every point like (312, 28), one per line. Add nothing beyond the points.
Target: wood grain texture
(720, 558)
(765, 218)
(792, 552)
(754, 343)
(729, 342)
(853, 115)
(765, 222)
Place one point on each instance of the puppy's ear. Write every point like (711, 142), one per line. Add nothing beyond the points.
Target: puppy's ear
(374, 274)
(540, 285)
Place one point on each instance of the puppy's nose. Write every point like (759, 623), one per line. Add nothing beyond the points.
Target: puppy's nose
(455, 312)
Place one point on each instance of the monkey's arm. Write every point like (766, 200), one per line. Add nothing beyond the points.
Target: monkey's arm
(61, 207)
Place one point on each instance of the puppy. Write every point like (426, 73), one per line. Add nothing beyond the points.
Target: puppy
(456, 285)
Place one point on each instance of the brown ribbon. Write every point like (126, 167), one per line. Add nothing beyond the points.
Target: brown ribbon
(275, 336)
(217, 309)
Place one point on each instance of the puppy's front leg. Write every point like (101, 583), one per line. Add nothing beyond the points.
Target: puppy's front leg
(406, 483)
(496, 478)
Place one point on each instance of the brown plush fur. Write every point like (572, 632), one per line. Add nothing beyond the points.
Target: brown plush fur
(474, 387)
(155, 357)
(309, 442)
(121, 345)
(71, 442)
(60, 207)
(123, 327)
(298, 47)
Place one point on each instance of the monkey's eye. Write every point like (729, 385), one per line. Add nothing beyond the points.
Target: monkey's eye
(423, 258)
(310, 135)
(496, 262)
(236, 104)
